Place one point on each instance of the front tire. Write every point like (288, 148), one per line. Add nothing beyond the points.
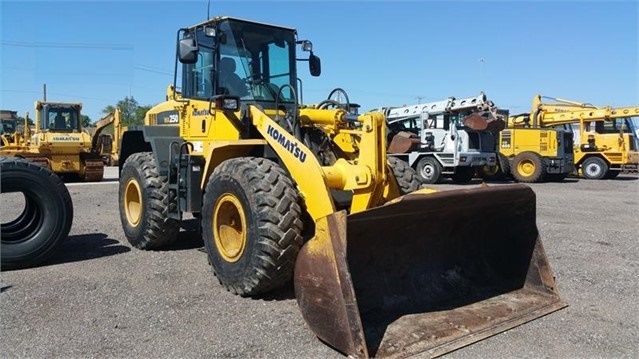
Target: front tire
(528, 167)
(251, 225)
(594, 168)
(429, 170)
(143, 204)
(34, 235)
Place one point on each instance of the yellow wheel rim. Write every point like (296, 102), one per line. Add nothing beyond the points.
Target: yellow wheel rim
(526, 168)
(133, 202)
(229, 228)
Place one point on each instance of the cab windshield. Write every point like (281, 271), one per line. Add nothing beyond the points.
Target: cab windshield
(252, 61)
(60, 118)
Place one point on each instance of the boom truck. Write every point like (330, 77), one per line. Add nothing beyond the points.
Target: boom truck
(59, 142)
(452, 137)
(288, 190)
(606, 141)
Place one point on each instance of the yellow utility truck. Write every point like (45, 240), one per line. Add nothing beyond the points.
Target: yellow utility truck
(532, 154)
(287, 190)
(59, 142)
(605, 137)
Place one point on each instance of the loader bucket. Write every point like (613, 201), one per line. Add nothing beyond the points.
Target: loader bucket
(428, 273)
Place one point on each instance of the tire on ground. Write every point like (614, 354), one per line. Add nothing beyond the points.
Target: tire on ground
(407, 179)
(528, 167)
(251, 225)
(503, 169)
(143, 204)
(33, 236)
(594, 168)
(429, 170)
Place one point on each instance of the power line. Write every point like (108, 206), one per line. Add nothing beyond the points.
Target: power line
(56, 94)
(60, 45)
(153, 70)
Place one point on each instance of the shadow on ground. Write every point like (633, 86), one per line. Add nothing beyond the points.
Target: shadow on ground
(83, 247)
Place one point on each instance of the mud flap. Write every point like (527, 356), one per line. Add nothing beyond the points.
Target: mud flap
(428, 273)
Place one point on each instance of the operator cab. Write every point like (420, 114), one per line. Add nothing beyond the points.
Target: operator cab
(255, 62)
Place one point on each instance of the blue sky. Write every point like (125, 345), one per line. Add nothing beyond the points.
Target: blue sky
(383, 53)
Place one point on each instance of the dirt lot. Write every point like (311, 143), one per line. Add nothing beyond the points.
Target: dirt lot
(98, 297)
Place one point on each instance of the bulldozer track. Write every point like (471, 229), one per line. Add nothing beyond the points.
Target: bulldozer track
(93, 170)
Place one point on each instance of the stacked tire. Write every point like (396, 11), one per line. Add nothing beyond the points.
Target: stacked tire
(45, 221)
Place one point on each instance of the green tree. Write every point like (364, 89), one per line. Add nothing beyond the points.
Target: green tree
(86, 121)
(141, 112)
(21, 121)
(128, 107)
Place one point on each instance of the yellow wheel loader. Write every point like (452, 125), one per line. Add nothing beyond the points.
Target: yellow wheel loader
(286, 190)
(59, 142)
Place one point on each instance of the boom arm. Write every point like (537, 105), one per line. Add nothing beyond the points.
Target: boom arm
(451, 104)
(567, 112)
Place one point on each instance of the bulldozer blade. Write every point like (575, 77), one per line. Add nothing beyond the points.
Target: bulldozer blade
(427, 273)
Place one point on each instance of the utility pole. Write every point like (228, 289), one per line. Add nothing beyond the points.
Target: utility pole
(419, 99)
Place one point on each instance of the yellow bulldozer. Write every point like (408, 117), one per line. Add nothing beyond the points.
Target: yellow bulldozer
(58, 142)
(284, 190)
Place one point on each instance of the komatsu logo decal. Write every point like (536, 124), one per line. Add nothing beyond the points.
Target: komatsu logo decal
(200, 112)
(66, 138)
(289, 145)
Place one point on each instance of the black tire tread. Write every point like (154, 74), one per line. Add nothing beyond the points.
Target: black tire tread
(407, 179)
(159, 231)
(53, 186)
(277, 212)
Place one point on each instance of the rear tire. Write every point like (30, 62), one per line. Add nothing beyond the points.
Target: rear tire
(503, 169)
(528, 167)
(429, 170)
(594, 168)
(144, 205)
(251, 225)
(407, 178)
(33, 236)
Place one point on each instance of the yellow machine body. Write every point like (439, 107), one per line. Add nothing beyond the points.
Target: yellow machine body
(605, 137)
(381, 268)
(59, 142)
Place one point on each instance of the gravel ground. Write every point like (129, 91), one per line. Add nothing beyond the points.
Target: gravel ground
(98, 297)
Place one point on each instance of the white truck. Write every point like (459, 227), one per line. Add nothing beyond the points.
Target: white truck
(450, 138)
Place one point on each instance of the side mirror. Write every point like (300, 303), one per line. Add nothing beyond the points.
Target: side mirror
(187, 51)
(314, 65)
